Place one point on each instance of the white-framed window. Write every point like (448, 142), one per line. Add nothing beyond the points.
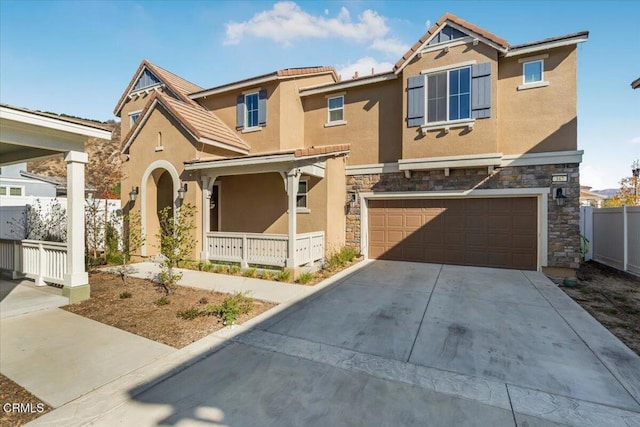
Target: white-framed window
(533, 71)
(133, 116)
(335, 109)
(449, 95)
(302, 199)
(11, 191)
(251, 119)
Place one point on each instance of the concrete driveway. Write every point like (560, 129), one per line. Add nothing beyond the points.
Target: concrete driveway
(406, 344)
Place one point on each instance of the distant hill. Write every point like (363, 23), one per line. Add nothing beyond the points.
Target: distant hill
(101, 152)
(608, 192)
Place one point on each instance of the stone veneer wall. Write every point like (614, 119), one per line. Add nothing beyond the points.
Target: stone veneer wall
(564, 221)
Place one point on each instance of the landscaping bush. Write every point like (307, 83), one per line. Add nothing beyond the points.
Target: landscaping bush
(341, 257)
(163, 301)
(284, 275)
(235, 270)
(267, 275)
(232, 307)
(305, 278)
(125, 295)
(251, 272)
(189, 313)
(115, 258)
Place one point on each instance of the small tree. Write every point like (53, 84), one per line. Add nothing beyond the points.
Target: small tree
(130, 240)
(95, 221)
(626, 195)
(38, 223)
(176, 243)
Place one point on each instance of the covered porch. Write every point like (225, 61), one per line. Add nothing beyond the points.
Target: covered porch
(28, 135)
(248, 204)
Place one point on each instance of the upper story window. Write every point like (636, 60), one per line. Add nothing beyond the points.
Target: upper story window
(251, 111)
(532, 72)
(336, 109)
(451, 96)
(133, 117)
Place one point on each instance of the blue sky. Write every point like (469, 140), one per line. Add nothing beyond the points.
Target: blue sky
(77, 57)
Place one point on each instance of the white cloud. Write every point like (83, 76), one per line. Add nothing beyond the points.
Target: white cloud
(427, 23)
(595, 177)
(363, 66)
(635, 140)
(286, 22)
(392, 46)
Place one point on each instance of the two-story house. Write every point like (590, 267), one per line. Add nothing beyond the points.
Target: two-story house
(465, 153)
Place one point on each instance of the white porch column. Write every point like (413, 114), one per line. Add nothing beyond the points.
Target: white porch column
(206, 200)
(76, 280)
(293, 178)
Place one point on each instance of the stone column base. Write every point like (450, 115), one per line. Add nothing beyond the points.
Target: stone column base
(76, 293)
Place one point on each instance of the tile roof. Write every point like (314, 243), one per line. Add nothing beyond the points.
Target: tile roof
(549, 40)
(179, 86)
(300, 152)
(435, 27)
(323, 149)
(305, 70)
(199, 121)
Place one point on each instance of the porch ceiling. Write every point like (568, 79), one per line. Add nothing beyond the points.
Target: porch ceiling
(27, 135)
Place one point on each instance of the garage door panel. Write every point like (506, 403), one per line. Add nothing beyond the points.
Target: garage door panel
(496, 232)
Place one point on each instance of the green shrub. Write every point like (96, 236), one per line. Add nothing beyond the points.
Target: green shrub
(125, 295)
(235, 270)
(267, 275)
(232, 307)
(284, 275)
(115, 258)
(163, 301)
(222, 269)
(305, 278)
(341, 257)
(189, 313)
(251, 272)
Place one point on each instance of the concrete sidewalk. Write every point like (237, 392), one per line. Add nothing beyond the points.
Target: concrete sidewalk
(266, 290)
(21, 297)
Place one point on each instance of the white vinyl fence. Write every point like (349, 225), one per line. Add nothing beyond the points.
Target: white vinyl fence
(614, 236)
(41, 261)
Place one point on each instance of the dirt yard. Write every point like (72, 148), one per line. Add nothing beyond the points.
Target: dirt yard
(30, 406)
(144, 314)
(612, 297)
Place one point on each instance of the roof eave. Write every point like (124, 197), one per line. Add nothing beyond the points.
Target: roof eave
(537, 47)
(313, 90)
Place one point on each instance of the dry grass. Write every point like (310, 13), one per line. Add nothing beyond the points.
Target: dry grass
(11, 393)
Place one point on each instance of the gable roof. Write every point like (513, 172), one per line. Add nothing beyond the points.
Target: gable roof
(176, 84)
(438, 26)
(203, 125)
(276, 75)
(493, 40)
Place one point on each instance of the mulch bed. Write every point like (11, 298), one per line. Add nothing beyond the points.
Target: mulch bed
(30, 406)
(142, 315)
(612, 297)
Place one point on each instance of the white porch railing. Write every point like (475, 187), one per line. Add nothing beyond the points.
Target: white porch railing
(264, 249)
(42, 261)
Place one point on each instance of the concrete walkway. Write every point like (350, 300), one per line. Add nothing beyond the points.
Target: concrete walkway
(21, 297)
(266, 290)
(391, 344)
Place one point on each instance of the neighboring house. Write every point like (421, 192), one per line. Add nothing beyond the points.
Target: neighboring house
(15, 182)
(465, 153)
(589, 198)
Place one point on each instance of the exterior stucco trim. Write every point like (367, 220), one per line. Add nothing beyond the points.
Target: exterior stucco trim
(375, 168)
(547, 158)
(175, 178)
(541, 195)
(480, 160)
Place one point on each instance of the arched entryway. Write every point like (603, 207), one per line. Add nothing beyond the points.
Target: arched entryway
(159, 189)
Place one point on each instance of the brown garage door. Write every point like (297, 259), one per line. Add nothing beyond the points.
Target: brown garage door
(495, 232)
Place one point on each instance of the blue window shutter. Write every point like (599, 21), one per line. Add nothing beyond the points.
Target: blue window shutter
(415, 101)
(262, 107)
(240, 113)
(481, 90)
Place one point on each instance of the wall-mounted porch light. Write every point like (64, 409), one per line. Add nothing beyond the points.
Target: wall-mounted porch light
(560, 197)
(182, 191)
(133, 194)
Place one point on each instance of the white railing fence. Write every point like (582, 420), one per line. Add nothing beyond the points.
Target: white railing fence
(613, 235)
(41, 261)
(263, 249)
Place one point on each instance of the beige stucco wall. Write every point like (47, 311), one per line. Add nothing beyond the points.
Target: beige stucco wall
(257, 203)
(336, 197)
(177, 147)
(484, 136)
(374, 122)
(540, 119)
(134, 104)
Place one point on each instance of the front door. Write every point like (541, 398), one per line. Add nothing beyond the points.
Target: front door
(214, 208)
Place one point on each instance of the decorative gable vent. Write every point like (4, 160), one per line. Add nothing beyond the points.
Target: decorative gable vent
(147, 79)
(448, 33)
